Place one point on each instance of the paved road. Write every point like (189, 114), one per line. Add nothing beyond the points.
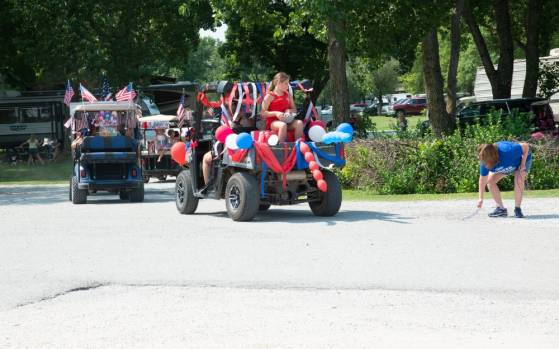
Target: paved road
(385, 274)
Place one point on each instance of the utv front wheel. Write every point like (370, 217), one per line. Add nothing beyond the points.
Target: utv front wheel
(328, 203)
(185, 200)
(79, 196)
(242, 197)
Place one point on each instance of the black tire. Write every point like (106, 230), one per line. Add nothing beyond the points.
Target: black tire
(264, 207)
(146, 178)
(185, 200)
(79, 196)
(242, 197)
(70, 190)
(162, 178)
(329, 202)
(124, 195)
(137, 195)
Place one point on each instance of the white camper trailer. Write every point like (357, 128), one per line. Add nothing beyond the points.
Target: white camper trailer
(482, 87)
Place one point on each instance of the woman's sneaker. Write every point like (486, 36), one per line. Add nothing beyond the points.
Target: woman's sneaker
(518, 212)
(499, 212)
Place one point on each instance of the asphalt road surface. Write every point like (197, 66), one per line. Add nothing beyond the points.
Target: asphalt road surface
(402, 274)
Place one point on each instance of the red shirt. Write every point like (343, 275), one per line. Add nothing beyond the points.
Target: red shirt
(279, 103)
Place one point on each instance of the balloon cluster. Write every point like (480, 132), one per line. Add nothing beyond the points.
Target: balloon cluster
(313, 166)
(317, 130)
(233, 141)
(343, 134)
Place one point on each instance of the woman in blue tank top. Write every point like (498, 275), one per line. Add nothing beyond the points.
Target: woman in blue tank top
(498, 160)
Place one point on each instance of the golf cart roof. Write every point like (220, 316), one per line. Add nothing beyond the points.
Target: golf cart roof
(176, 87)
(157, 118)
(103, 106)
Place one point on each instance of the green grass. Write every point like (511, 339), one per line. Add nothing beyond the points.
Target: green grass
(384, 123)
(360, 195)
(50, 172)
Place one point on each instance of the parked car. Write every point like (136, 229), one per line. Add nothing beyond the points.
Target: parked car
(539, 107)
(373, 110)
(358, 107)
(410, 106)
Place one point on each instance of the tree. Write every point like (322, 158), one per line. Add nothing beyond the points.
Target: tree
(452, 77)
(205, 63)
(501, 77)
(385, 80)
(56, 40)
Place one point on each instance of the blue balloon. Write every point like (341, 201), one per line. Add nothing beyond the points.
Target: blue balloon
(346, 137)
(244, 141)
(345, 128)
(332, 137)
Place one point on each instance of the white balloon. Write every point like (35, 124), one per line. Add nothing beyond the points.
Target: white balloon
(273, 140)
(316, 133)
(231, 141)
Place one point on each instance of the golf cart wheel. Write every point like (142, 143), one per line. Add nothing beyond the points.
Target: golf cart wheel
(328, 203)
(137, 195)
(185, 200)
(242, 197)
(70, 190)
(79, 196)
(123, 194)
(146, 178)
(264, 207)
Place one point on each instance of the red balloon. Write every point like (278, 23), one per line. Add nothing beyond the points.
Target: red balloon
(304, 148)
(178, 152)
(322, 186)
(222, 132)
(319, 123)
(313, 165)
(317, 175)
(309, 156)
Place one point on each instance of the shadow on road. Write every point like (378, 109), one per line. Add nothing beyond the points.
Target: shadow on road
(298, 216)
(33, 195)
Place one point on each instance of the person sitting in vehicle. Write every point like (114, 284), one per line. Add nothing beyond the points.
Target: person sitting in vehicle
(80, 135)
(33, 150)
(277, 108)
(160, 143)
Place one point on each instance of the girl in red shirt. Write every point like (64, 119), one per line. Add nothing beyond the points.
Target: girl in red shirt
(276, 107)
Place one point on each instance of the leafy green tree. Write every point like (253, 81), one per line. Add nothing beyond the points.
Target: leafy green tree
(204, 63)
(128, 40)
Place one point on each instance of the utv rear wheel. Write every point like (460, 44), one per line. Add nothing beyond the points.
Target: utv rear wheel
(123, 194)
(79, 196)
(70, 190)
(328, 203)
(185, 200)
(242, 197)
(137, 195)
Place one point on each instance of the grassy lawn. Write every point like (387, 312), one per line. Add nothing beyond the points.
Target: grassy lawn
(50, 172)
(388, 123)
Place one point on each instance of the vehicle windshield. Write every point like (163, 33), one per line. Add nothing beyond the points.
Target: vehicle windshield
(148, 106)
(106, 123)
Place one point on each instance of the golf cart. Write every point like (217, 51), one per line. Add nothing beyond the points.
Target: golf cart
(260, 173)
(105, 150)
(152, 165)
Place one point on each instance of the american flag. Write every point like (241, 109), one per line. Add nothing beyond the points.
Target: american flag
(107, 94)
(69, 94)
(180, 109)
(86, 94)
(126, 94)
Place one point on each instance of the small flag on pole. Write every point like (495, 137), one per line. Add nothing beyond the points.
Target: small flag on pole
(180, 109)
(69, 93)
(86, 94)
(126, 94)
(107, 94)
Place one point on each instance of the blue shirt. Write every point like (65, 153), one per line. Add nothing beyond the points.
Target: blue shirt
(510, 156)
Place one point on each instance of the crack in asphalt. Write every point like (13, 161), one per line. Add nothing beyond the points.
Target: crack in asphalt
(64, 293)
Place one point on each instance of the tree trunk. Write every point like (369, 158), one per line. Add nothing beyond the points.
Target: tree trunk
(531, 49)
(379, 105)
(501, 78)
(454, 58)
(318, 85)
(441, 122)
(337, 66)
